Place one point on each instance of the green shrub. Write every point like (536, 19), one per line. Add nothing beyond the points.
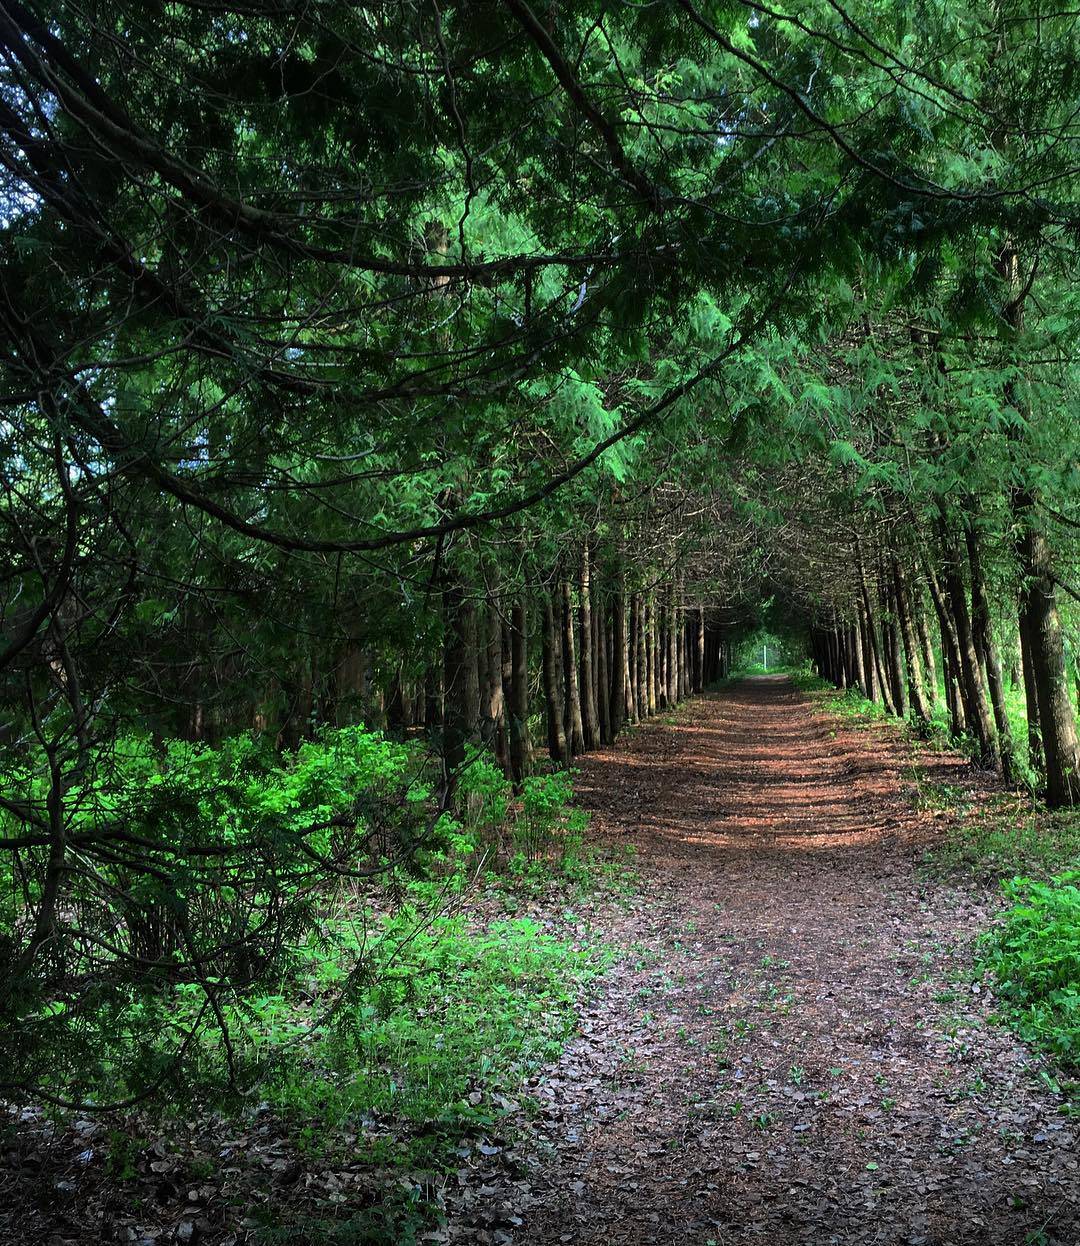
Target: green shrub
(237, 917)
(190, 873)
(1035, 956)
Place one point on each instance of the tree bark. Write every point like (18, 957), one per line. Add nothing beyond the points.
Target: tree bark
(1031, 694)
(575, 730)
(982, 627)
(871, 642)
(603, 699)
(553, 697)
(590, 726)
(920, 707)
(519, 695)
(889, 630)
(642, 686)
(462, 694)
(1057, 721)
(617, 667)
(978, 710)
(955, 695)
(673, 650)
(491, 693)
(926, 648)
(633, 650)
(699, 650)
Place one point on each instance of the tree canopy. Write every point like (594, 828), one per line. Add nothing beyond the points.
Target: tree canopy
(456, 367)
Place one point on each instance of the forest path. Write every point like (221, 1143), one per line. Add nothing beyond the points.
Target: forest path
(780, 1054)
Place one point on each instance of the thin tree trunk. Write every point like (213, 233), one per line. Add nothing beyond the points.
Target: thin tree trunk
(919, 705)
(617, 665)
(889, 637)
(632, 653)
(553, 698)
(991, 661)
(629, 654)
(1031, 695)
(576, 729)
(590, 726)
(1057, 721)
(976, 704)
(519, 691)
(955, 696)
(603, 700)
(926, 648)
(699, 650)
(861, 664)
(872, 642)
(642, 687)
(459, 680)
(491, 693)
(673, 651)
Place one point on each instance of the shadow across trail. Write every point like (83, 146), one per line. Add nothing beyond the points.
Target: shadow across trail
(781, 1054)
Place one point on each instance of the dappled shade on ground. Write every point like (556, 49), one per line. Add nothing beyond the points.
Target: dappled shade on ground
(783, 1057)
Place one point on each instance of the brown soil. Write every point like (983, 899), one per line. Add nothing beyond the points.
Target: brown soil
(794, 1046)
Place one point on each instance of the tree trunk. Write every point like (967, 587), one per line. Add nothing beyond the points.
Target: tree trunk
(629, 656)
(872, 643)
(1031, 694)
(1038, 602)
(642, 687)
(603, 682)
(862, 663)
(519, 692)
(662, 657)
(1057, 722)
(926, 648)
(633, 650)
(976, 705)
(617, 666)
(590, 726)
(575, 729)
(955, 697)
(987, 647)
(492, 730)
(699, 650)
(553, 697)
(673, 651)
(889, 636)
(920, 707)
(462, 694)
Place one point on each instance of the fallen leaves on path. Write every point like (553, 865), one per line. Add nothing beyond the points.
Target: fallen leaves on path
(794, 1048)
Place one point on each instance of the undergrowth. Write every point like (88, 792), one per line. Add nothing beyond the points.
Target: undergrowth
(404, 995)
(1034, 955)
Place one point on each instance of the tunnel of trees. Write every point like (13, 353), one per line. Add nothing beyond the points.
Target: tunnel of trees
(486, 377)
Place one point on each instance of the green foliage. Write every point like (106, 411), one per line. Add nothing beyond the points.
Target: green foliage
(548, 825)
(446, 1015)
(188, 972)
(994, 838)
(1034, 954)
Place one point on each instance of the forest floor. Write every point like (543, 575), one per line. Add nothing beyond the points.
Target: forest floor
(794, 1046)
(793, 1043)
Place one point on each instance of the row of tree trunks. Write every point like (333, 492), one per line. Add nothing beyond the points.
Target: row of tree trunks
(887, 650)
(606, 657)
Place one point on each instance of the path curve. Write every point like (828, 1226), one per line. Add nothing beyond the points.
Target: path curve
(783, 1056)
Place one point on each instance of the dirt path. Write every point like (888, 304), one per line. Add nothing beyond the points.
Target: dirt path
(783, 1056)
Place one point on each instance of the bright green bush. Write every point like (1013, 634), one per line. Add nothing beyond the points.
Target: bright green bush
(190, 872)
(215, 890)
(1035, 956)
